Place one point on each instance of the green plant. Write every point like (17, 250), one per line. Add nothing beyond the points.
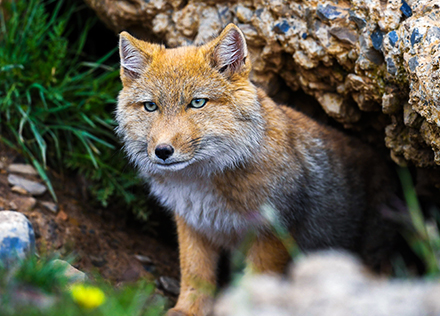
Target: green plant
(39, 287)
(55, 107)
(423, 236)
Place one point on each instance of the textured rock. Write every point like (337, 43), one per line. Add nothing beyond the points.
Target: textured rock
(352, 56)
(32, 187)
(73, 274)
(17, 239)
(22, 168)
(332, 282)
(170, 285)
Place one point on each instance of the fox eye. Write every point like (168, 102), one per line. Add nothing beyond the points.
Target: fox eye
(198, 103)
(150, 106)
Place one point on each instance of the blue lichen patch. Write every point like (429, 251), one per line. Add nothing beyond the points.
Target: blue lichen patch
(416, 37)
(282, 27)
(377, 39)
(406, 9)
(393, 38)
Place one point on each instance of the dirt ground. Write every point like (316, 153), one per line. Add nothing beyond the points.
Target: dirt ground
(101, 240)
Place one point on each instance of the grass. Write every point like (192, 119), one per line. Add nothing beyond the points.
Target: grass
(56, 107)
(40, 287)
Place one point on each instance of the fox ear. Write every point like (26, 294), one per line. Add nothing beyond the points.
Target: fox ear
(230, 50)
(132, 59)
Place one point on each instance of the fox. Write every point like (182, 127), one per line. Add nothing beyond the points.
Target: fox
(218, 152)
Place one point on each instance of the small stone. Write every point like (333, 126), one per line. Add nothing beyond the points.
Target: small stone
(413, 63)
(393, 38)
(391, 66)
(17, 238)
(170, 285)
(282, 27)
(73, 274)
(98, 261)
(374, 56)
(329, 12)
(22, 168)
(19, 190)
(24, 204)
(416, 36)
(144, 259)
(360, 22)
(377, 39)
(50, 206)
(62, 216)
(243, 14)
(406, 9)
(32, 187)
(344, 35)
(433, 34)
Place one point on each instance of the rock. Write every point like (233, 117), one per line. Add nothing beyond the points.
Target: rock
(19, 190)
(23, 204)
(377, 39)
(50, 206)
(22, 168)
(17, 239)
(73, 274)
(62, 216)
(406, 9)
(144, 259)
(98, 261)
(32, 187)
(170, 285)
(336, 283)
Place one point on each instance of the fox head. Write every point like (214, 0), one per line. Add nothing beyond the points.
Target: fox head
(188, 108)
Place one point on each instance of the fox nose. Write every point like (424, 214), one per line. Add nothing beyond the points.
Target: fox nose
(164, 151)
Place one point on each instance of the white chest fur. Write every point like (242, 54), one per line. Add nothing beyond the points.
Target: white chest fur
(201, 206)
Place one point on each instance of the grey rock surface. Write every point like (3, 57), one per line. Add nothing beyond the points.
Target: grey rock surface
(170, 285)
(329, 283)
(32, 187)
(73, 274)
(22, 168)
(17, 238)
(50, 206)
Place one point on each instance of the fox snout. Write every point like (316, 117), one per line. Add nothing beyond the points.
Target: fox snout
(164, 151)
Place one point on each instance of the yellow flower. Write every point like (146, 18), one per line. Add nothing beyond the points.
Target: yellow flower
(87, 296)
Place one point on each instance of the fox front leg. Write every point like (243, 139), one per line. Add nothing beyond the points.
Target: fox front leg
(267, 254)
(198, 262)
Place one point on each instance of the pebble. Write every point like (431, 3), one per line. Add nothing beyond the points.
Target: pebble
(72, 273)
(19, 190)
(62, 216)
(50, 206)
(144, 259)
(24, 204)
(170, 285)
(17, 238)
(32, 187)
(98, 261)
(23, 169)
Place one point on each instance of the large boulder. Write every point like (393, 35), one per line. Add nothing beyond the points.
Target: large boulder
(17, 238)
(329, 283)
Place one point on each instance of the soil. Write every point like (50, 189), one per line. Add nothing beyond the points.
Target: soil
(101, 240)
